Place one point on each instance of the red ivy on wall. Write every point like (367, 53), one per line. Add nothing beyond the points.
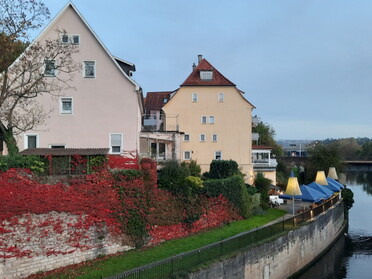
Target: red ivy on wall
(31, 212)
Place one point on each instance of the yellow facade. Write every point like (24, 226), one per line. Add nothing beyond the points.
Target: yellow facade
(227, 129)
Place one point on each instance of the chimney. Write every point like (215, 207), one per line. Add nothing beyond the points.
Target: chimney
(193, 66)
(200, 57)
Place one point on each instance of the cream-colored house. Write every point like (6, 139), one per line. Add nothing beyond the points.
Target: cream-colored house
(104, 108)
(215, 118)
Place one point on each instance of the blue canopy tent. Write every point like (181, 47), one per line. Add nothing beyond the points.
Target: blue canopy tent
(335, 184)
(308, 195)
(322, 189)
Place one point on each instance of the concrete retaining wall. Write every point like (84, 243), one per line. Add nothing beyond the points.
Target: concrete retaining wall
(281, 257)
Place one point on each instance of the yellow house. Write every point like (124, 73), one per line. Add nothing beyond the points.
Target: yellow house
(215, 118)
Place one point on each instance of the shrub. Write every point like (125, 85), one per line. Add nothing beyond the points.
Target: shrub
(220, 169)
(193, 167)
(234, 189)
(263, 184)
(34, 163)
(172, 178)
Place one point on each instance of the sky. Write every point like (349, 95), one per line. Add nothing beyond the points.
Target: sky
(306, 65)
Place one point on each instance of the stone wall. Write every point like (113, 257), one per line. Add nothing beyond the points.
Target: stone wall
(283, 256)
(34, 243)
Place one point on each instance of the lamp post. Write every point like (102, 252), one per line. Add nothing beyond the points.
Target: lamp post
(321, 178)
(293, 189)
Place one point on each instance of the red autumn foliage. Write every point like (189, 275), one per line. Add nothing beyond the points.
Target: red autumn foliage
(30, 211)
(121, 162)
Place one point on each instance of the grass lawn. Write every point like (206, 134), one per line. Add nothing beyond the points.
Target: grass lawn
(112, 265)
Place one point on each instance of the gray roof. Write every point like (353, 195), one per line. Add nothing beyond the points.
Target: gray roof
(65, 151)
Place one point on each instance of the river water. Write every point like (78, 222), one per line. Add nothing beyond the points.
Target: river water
(351, 256)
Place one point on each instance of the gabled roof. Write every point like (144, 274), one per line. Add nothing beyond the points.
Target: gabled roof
(71, 5)
(217, 80)
(156, 100)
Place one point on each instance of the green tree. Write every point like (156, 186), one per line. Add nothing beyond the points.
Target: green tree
(267, 137)
(23, 81)
(321, 157)
(263, 185)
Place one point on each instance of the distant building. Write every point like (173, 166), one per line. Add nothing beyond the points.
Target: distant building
(263, 162)
(295, 148)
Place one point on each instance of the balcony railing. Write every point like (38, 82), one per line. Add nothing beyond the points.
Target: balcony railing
(159, 123)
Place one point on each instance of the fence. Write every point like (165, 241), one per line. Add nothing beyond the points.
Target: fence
(185, 261)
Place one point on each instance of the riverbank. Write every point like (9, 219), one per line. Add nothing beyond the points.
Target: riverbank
(112, 265)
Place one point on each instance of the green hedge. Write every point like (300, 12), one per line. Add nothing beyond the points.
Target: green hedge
(220, 169)
(234, 189)
(34, 163)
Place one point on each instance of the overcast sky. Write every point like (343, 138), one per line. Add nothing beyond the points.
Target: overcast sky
(305, 64)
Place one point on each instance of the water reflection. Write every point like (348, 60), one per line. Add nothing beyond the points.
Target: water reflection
(360, 178)
(351, 256)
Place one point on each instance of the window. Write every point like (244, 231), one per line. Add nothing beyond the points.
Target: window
(116, 143)
(75, 39)
(89, 69)
(203, 119)
(218, 155)
(66, 105)
(64, 39)
(187, 155)
(211, 119)
(186, 137)
(31, 141)
(165, 100)
(206, 75)
(50, 68)
(202, 137)
(214, 137)
(221, 97)
(194, 97)
(58, 146)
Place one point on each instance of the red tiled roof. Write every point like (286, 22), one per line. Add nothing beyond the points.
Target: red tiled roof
(204, 65)
(65, 151)
(155, 100)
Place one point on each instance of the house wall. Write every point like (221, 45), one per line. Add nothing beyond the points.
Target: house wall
(233, 124)
(102, 105)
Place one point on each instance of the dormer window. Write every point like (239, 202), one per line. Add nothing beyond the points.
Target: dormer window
(165, 100)
(206, 75)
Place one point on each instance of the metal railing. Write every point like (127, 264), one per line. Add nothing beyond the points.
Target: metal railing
(186, 261)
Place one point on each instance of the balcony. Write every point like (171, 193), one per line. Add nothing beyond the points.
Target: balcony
(159, 123)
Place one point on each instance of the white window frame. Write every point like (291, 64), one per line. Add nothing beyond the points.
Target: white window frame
(121, 143)
(75, 36)
(186, 136)
(202, 137)
(95, 68)
(54, 71)
(202, 118)
(194, 97)
(61, 110)
(221, 97)
(25, 140)
(68, 38)
(211, 119)
(214, 137)
(187, 152)
(206, 75)
(215, 155)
